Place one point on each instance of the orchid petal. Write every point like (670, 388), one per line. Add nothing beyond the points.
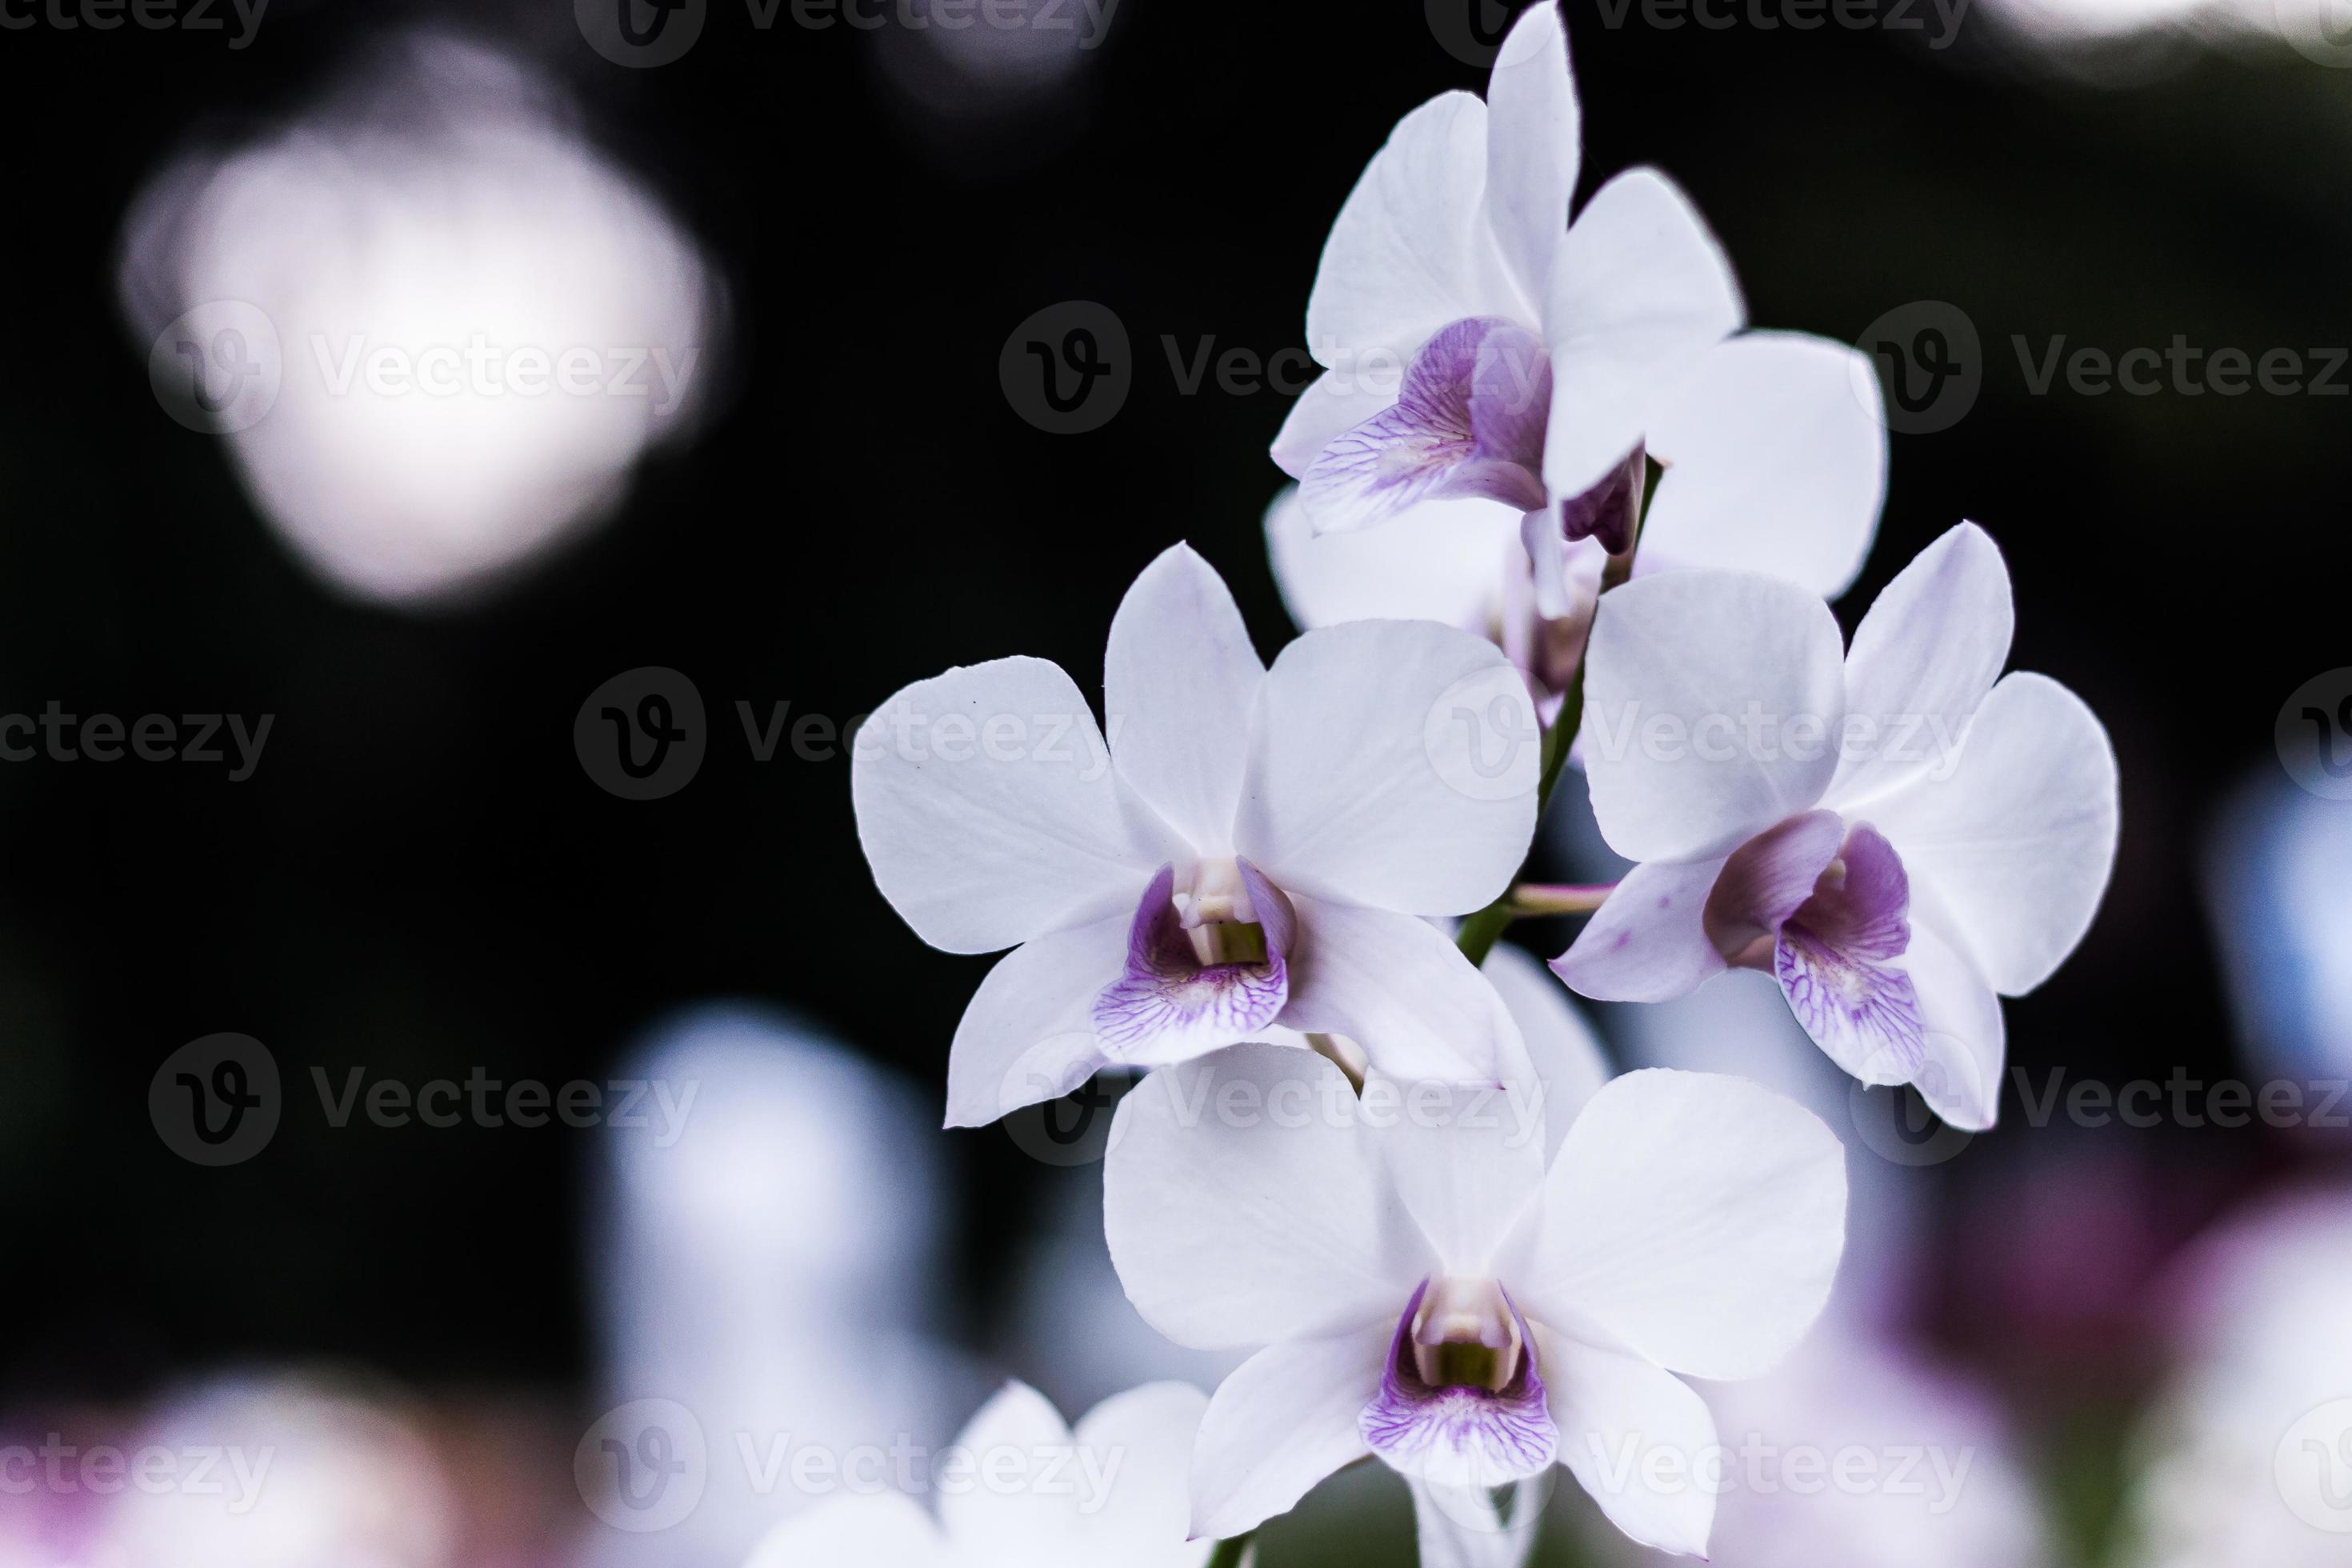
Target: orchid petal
(1027, 1036)
(1534, 144)
(1640, 291)
(1391, 763)
(1959, 1077)
(1564, 1058)
(1648, 943)
(1923, 659)
(878, 1528)
(1010, 1523)
(1401, 989)
(1285, 1420)
(1178, 683)
(1243, 1204)
(1637, 1440)
(1695, 1219)
(1466, 1160)
(988, 812)
(1442, 561)
(1767, 878)
(1409, 251)
(1713, 705)
(1146, 1520)
(1334, 402)
(2014, 847)
(1774, 461)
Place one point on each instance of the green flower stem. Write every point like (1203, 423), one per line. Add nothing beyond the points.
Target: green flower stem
(1480, 932)
(1231, 1554)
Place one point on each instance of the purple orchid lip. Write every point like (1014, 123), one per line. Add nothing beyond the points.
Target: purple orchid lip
(1468, 421)
(1839, 961)
(1826, 908)
(1468, 1433)
(1189, 984)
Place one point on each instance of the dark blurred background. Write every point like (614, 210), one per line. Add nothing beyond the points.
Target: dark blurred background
(420, 878)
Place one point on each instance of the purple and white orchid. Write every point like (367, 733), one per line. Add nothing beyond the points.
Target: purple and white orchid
(1533, 366)
(1898, 833)
(1463, 1286)
(1252, 849)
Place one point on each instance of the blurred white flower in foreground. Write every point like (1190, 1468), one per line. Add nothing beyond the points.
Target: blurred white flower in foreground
(771, 1270)
(2279, 880)
(473, 324)
(300, 1475)
(1021, 1489)
(2122, 38)
(1857, 1454)
(2248, 1457)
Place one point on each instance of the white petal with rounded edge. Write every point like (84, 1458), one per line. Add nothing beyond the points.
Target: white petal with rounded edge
(1697, 1219)
(1638, 1439)
(1391, 763)
(1966, 1039)
(1179, 679)
(1442, 560)
(2015, 847)
(1648, 943)
(1027, 1036)
(1468, 1160)
(1141, 1442)
(1410, 250)
(1285, 1420)
(1243, 1204)
(1015, 1434)
(989, 811)
(1534, 142)
(1640, 291)
(1923, 659)
(1773, 464)
(1564, 1056)
(1401, 989)
(1333, 404)
(884, 1528)
(1712, 709)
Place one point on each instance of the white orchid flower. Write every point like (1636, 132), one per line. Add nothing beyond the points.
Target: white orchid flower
(1897, 833)
(1430, 1288)
(1253, 848)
